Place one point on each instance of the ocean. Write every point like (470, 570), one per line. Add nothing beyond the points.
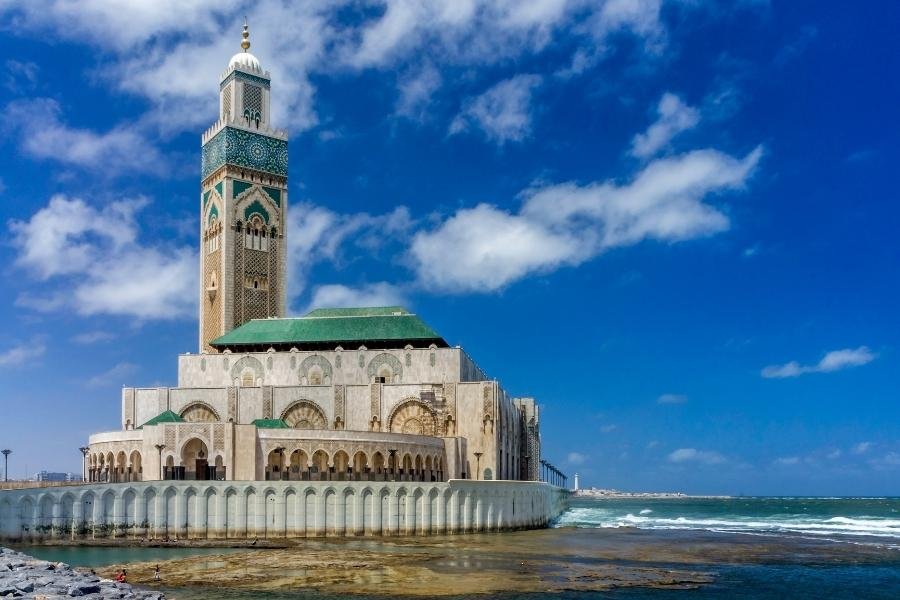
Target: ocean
(847, 520)
(740, 548)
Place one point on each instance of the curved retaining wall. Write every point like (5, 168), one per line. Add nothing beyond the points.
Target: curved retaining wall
(275, 509)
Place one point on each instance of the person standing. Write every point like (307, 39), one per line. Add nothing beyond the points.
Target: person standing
(156, 576)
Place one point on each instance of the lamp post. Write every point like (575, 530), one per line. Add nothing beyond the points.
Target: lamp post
(84, 453)
(6, 454)
(159, 448)
(478, 465)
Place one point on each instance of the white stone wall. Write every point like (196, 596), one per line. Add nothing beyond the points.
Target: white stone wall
(286, 368)
(276, 509)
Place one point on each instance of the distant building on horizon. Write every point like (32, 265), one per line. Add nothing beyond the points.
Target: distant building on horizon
(55, 476)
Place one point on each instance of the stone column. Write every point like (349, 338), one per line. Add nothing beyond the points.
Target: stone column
(221, 524)
(181, 514)
(77, 516)
(140, 515)
(160, 524)
(118, 516)
(56, 524)
(198, 528)
(393, 527)
(280, 527)
(377, 510)
(427, 524)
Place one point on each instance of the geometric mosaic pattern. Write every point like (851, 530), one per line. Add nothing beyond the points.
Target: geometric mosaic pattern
(244, 77)
(244, 149)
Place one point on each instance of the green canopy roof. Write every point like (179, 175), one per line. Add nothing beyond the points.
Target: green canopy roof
(270, 424)
(164, 417)
(386, 326)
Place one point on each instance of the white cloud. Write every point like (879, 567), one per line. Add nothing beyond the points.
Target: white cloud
(671, 399)
(93, 337)
(674, 117)
(787, 461)
(317, 234)
(834, 454)
(861, 448)
(608, 428)
(169, 51)
(117, 375)
(485, 248)
(835, 360)
(888, 461)
(101, 266)
(342, 296)
(502, 113)
(576, 458)
(416, 91)
(22, 353)
(684, 455)
(43, 135)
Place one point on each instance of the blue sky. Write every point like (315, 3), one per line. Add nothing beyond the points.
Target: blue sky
(673, 222)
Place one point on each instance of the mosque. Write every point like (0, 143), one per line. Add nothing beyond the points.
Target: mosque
(339, 394)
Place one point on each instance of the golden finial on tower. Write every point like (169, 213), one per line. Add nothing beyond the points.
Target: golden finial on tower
(245, 42)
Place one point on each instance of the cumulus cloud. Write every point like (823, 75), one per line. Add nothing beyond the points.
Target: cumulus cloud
(102, 267)
(22, 353)
(674, 117)
(836, 360)
(43, 135)
(687, 455)
(671, 399)
(485, 248)
(168, 51)
(372, 294)
(317, 234)
(576, 458)
(502, 113)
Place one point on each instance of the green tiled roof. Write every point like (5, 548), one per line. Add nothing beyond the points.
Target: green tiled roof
(388, 324)
(164, 417)
(270, 424)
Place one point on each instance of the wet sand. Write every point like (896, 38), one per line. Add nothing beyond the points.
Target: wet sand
(550, 560)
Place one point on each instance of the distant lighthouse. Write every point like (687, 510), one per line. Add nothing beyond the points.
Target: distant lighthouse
(576, 483)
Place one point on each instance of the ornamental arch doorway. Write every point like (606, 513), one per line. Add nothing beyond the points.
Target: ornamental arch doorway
(195, 460)
(412, 417)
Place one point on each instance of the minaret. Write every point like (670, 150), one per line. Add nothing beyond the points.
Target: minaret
(243, 204)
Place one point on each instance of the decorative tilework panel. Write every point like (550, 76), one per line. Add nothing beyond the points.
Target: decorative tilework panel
(238, 187)
(244, 149)
(274, 194)
(256, 207)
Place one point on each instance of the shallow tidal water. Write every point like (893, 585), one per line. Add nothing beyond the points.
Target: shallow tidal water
(740, 548)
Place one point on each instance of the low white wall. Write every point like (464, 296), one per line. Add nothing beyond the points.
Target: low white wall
(275, 509)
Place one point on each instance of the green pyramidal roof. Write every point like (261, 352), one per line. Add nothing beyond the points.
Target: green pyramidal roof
(164, 417)
(379, 327)
(270, 424)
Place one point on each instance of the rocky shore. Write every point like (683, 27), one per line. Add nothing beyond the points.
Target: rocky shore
(22, 576)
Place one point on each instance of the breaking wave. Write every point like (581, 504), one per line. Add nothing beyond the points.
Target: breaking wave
(842, 526)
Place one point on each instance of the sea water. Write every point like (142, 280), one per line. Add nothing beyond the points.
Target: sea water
(802, 534)
(860, 520)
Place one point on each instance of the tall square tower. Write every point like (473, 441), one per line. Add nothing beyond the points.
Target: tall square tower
(243, 204)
